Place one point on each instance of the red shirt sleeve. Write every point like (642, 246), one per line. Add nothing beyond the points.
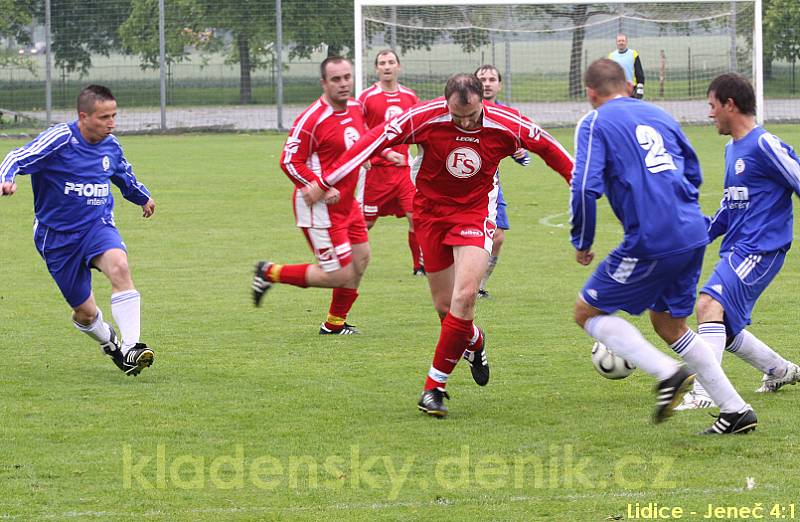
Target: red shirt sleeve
(299, 146)
(394, 132)
(536, 140)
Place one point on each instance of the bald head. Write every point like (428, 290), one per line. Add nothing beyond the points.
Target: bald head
(463, 86)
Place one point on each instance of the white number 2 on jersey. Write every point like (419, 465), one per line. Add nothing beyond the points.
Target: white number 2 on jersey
(657, 159)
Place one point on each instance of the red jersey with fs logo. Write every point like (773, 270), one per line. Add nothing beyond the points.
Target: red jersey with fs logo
(455, 168)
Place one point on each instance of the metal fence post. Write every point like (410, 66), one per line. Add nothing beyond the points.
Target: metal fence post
(48, 65)
(162, 65)
(279, 63)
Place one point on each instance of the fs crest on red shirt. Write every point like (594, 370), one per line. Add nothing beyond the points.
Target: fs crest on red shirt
(319, 137)
(455, 168)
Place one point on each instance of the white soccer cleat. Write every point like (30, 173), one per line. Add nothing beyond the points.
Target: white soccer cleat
(696, 401)
(771, 383)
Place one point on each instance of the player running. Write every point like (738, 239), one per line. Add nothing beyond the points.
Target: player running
(637, 155)
(70, 165)
(461, 139)
(334, 227)
(761, 174)
(389, 190)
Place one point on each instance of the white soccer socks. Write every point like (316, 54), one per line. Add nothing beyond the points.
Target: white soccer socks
(700, 358)
(97, 330)
(125, 307)
(626, 341)
(756, 353)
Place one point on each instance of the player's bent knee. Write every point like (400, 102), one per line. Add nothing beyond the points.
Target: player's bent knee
(708, 309)
(85, 312)
(582, 313)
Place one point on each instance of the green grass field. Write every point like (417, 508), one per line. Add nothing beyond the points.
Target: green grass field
(248, 414)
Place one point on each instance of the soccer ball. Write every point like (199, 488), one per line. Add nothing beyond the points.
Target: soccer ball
(609, 365)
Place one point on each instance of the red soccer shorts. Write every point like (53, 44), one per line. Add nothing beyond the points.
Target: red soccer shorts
(437, 237)
(388, 192)
(333, 246)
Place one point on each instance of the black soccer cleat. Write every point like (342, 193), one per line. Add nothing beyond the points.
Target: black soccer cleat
(432, 402)
(113, 348)
(733, 423)
(478, 364)
(420, 272)
(346, 329)
(670, 392)
(138, 358)
(260, 284)
(483, 294)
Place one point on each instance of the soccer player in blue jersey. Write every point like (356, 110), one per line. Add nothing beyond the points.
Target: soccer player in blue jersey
(492, 82)
(70, 165)
(637, 155)
(755, 217)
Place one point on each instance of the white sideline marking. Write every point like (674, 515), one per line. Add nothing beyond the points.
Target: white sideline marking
(389, 505)
(546, 221)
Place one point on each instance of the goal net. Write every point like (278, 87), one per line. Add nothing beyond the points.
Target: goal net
(542, 49)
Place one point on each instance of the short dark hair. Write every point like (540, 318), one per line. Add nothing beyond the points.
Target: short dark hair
(463, 84)
(90, 95)
(606, 77)
(734, 87)
(489, 67)
(330, 59)
(386, 51)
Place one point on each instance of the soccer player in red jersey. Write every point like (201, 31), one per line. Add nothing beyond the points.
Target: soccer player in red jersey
(461, 139)
(334, 225)
(388, 190)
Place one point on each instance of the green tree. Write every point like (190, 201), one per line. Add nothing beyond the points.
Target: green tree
(16, 17)
(139, 33)
(327, 24)
(14, 22)
(81, 28)
(251, 27)
(782, 22)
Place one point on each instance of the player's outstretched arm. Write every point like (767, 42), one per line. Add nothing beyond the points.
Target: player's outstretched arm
(376, 141)
(547, 147)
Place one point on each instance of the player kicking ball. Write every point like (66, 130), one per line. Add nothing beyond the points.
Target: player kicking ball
(637, 155)
(462, 139)
(70, 165)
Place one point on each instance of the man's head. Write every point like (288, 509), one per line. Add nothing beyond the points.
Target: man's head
(604, 79)
(97, 113)
(730, 97)
(336, 79)
(622, 42)
(492, 81)
(464, 93)
(387, 65)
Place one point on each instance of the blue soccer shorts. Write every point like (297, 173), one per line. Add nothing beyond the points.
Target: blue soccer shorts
(502, 216)
(738, 281)
(634, 285)
(68, 256)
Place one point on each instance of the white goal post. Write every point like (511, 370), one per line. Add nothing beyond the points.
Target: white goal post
(433, 40)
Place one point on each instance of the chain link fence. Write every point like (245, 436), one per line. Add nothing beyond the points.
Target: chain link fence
(252, 64)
